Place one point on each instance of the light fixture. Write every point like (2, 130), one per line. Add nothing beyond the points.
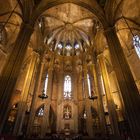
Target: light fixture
(43, 96)
(93, 97)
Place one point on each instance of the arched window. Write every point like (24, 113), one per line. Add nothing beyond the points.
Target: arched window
(77, 46)
(89, 85)
(60, 46)
(68, 47)
(136, 43)
(45, 85)
(67, 87)
(41, 111)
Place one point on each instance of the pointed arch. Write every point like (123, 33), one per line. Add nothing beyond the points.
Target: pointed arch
(40, 111)
(67, 87)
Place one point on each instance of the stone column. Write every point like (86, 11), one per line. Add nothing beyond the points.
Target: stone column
(116, 95)
(110, 102)
(3, 58)
(80, 97)
(46, 123)
(75, 102)
(60, 99)
(11, 70)
(35, 95)
(99, 100)
(89, 122)
(129, 91)
(22, 106)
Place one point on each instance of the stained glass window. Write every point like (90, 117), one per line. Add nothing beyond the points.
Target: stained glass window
(45, 85)
(59, 46)
(68, 47)
(89, 85)
(41, 111)
(136, 43)
(67, 87)
(77, 46)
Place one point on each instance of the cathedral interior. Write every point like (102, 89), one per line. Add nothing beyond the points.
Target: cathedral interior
(70, 69)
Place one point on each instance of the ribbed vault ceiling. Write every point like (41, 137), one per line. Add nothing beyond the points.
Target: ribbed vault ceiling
(68, 28)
